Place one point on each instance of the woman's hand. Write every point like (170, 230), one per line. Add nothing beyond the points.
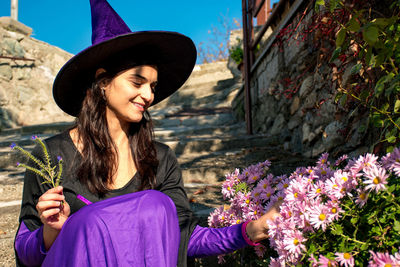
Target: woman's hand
(258, 230)
(53, 212)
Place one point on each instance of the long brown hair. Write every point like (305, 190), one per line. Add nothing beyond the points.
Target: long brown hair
(99, 159)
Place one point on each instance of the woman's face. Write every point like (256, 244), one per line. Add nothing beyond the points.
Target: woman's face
(130, 93)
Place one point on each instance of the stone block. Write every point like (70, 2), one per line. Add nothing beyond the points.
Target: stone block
(306, 86)
(279, 124)
(306, 129)
(11, 47)
(332, 137)
(296, 143)
(295, 105)
(294, 121)
(310, 100)
(13, 25)
(5, 71)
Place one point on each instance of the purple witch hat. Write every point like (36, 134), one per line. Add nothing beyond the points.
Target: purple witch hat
(173, 53)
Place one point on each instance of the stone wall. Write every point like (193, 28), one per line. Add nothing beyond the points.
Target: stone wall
(293, 97)
(26, 85)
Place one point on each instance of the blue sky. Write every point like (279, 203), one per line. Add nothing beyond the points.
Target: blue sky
(66, 23)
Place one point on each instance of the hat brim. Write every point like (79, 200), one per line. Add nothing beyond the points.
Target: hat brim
(176, 59)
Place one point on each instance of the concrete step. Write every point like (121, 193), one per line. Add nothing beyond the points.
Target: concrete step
(207, 68)
(179, 131)
(214, 119)
(218, 143)
(37, 129)
(201, 78)
(196, 97)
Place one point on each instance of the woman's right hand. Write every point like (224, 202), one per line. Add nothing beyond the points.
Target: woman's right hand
(53, 212)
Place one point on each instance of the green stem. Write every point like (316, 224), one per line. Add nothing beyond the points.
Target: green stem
(354, 240)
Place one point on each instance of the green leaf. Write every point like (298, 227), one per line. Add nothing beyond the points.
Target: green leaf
(337, 230)
(371, 34)
(383, 22)
(335, 54)
(341, 35)
(396, 226)
(333, 4)
(391, 139)
(379, 89)
(397, 106)
(354, 220)
(368, 57)
(356, 69)
(353, 25)
(377, 121)
(379, 59)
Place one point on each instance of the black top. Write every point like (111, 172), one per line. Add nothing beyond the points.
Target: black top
(168, 180)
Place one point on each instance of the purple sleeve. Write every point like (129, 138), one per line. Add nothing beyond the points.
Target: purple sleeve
(215, 241)
(29, 246)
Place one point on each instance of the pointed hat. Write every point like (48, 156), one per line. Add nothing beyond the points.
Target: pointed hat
(173, 53)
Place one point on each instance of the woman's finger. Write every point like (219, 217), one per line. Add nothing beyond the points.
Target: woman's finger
(50, 212)
(44, 205)
(51, 196)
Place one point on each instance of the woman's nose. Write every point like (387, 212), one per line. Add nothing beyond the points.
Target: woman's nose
(146, 92)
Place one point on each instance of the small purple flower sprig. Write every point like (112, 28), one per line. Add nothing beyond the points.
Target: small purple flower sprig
(50, 174)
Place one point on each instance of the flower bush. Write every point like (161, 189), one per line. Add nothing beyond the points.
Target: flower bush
(345, 213)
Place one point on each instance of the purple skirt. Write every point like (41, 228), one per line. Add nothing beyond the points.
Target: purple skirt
(138, 229)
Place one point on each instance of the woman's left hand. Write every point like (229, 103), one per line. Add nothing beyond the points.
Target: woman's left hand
(258, 230)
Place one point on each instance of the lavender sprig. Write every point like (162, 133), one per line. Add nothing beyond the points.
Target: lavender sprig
(45, 169)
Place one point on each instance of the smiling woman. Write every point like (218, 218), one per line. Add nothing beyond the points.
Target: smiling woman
(129, 94)
(123, 199)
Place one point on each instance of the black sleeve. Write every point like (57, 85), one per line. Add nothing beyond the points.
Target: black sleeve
(172, 186)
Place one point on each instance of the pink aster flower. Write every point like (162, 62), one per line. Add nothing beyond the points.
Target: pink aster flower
(341, 159)
(283, 184)
(382, 259)
(362, 197)
(323, 160)
(253, 177)
(392, 161)
(325, 262)
(221, 259)
(334, 210)
(294, 242)
(260, 250)
(276, 263)
(334, 188)
(376, 178)
(267, 193)
(345, 259)
(319, 216)
(263, 184)
(317, 189)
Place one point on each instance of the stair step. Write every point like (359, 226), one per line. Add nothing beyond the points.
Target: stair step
(198, 130)
(50, 128)
(215, 119)
(212, 144)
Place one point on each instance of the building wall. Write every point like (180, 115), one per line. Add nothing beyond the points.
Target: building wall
(293, 96)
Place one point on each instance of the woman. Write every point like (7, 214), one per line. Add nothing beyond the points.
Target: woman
(122, 200)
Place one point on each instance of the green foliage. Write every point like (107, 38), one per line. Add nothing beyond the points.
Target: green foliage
(374, 40)
(236, 53)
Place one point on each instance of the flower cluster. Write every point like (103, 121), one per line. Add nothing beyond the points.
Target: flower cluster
(346, 213)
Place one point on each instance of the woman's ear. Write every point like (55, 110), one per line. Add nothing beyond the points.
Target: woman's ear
(99, 71)
(100, 77)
